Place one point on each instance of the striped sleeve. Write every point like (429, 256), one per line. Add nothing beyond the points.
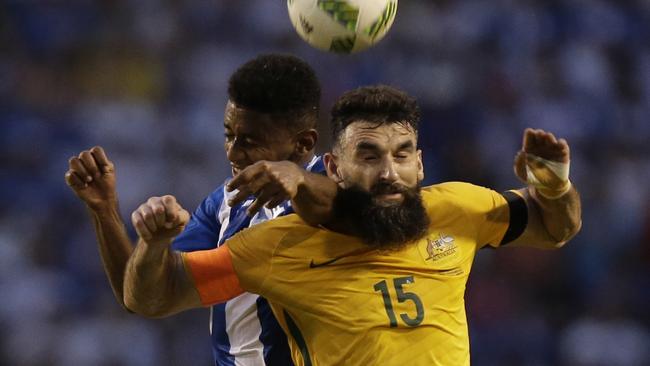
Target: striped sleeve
(202, 231)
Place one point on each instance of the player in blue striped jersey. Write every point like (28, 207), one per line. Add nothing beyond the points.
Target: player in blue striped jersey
(270, 134)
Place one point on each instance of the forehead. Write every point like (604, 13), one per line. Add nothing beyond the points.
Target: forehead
(245, 120)
(386, 134)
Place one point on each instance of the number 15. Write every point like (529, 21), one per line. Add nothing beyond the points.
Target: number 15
(402, 296)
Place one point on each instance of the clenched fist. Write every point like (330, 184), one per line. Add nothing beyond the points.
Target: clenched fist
(543, 162)
(92, 178)
(160, 219)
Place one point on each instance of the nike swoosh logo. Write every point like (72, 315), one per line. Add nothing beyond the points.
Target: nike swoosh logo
(316, 265)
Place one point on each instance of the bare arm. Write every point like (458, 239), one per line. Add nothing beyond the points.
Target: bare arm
(551, 223)
(156, 282)
(272, 183)
(91, 175)
(554, 208)
(114, 246)
(315, 198)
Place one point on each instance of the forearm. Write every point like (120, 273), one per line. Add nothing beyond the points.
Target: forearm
(115, 246)
(314, 199)
(561, 218)
(153, 283)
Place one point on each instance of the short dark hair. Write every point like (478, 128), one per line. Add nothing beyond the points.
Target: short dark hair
(281, 85)
(376, 104)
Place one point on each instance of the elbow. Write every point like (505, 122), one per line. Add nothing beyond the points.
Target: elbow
(147, 309)
(147, 312)
(125, 307)
(134, 306)
(569, 232)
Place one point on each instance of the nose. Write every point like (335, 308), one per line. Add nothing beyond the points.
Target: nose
(388, 173)
(234, 153)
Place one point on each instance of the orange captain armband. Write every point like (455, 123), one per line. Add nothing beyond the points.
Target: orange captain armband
(213, 274)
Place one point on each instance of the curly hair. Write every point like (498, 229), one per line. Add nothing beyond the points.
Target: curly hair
(281, 85)
(376, 104)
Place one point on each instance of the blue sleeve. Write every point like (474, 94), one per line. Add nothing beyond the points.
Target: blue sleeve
(202, 231)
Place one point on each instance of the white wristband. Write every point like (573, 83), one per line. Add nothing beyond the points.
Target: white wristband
(550, 178)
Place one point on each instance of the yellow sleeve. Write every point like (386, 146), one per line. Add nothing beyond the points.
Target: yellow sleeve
(252, 253)
(485, 210)
(492, 216)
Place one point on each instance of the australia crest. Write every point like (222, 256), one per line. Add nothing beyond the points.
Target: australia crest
(441, 247)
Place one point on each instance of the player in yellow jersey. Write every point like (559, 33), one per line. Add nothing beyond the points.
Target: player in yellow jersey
(383, 283)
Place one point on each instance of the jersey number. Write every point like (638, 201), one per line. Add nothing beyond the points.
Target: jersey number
(402, 296)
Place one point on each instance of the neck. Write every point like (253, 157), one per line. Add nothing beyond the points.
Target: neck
(304, 159)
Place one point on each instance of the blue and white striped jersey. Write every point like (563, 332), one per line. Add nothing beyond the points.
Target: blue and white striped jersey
(243, 330)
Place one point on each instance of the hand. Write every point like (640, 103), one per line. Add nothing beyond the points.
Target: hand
(92, 178)
(541, 144)
(160, 219)
(271, 182)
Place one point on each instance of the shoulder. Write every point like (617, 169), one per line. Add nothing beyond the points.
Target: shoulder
(218, 194)
(212, 207)
(453, 191)
(287, 230)
(279, 226)
(460, 195)
(213, 202)
(266, 236)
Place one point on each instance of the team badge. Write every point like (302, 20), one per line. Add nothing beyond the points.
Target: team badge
(443, 254)
(441, 247)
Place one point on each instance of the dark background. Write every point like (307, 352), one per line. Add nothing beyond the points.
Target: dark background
(147, 80)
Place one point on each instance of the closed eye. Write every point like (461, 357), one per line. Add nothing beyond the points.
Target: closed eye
(249, 141)
(241, 140)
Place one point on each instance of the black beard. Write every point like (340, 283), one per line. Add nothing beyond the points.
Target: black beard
(383, 227)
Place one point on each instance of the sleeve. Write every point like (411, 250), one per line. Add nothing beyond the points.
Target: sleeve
(202, 231)
(498, 218)
(213, 274)
(252, 252)
(497, 222)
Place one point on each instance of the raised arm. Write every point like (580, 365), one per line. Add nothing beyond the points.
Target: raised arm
(91, 176)
(273, 182)
(554, 210)
(161, 282)
(155, 283)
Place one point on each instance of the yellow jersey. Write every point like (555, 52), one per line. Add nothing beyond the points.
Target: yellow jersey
(343, 303)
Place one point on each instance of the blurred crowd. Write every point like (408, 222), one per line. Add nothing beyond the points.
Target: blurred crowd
(147, 80)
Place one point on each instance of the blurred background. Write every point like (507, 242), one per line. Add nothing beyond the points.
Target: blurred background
(146, 80)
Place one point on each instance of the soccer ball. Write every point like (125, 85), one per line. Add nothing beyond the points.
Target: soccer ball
(342, 26)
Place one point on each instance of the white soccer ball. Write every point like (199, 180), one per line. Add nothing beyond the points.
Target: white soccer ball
(342, 26)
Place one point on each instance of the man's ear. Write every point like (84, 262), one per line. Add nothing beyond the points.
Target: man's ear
(305, 142)
(331, 166)
(420, 167)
